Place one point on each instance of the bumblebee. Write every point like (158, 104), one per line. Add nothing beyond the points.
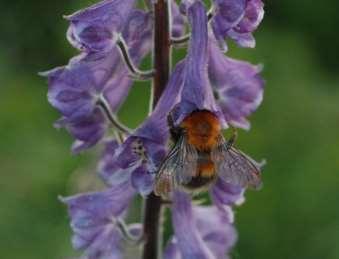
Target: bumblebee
(201, 154)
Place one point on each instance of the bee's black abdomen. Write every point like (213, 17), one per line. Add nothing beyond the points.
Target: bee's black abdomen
(199, 182)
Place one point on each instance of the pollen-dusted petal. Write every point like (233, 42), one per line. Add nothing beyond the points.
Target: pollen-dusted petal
(95, 28)
(237, 85)
(197, 93)
(93, 220)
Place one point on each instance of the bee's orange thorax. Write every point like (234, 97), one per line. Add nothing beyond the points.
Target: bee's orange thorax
(203, 129)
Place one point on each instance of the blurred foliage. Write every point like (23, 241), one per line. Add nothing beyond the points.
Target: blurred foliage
(295, 215)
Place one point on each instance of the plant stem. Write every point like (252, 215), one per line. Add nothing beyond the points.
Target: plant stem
(162, 61)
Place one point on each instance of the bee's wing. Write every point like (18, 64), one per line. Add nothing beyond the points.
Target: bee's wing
(178, 168)
(235, 167)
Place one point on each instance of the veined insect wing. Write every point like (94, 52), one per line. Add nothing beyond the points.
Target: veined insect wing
(235, 167)
(177, 169)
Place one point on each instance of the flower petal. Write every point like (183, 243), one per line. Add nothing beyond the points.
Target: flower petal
(237, 85)
(237, 19)
(178, 21)
(223, 193)
(75, 89)
(142, 180)
(190, 241)
(93, 220)
(200, 231)
(197, 93)
(216, 228)
(95, 28)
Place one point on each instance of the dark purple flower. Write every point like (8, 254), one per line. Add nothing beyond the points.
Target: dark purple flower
(237, 19)
(94, 220)
(203, 232)
(96, 28)
(237, 86)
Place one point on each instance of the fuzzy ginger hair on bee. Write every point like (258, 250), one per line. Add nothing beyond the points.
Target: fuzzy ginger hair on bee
(203, 129)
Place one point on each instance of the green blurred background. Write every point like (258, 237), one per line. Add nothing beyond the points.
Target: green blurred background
(295, 215)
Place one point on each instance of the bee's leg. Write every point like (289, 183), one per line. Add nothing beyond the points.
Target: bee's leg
(233, 138)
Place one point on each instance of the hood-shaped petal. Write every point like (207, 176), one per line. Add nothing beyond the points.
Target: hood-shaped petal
(196, 93)
(155, 127)
(237, 86)
(95, 28)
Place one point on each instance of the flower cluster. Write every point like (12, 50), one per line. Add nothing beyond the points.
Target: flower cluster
(90, 89)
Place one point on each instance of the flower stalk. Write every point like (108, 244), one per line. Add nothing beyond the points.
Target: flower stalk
(162, 62)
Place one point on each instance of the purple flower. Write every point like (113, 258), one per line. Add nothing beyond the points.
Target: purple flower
(178, 20)
(142, 152)
(223, 193)
(95, 218)
(76, 88)
(196, 93)
(236, 84)
(96, 27)
(113, 38)
(237, 19)
(203, 232)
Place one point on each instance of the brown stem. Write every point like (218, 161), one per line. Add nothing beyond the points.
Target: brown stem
(162, 61)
